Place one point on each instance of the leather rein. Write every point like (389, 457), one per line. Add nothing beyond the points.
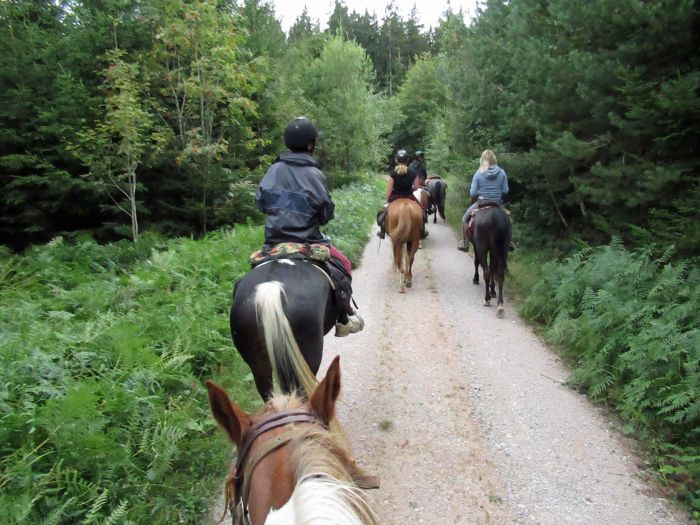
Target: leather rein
(238, 481)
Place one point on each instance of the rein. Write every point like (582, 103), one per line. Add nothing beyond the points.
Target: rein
(238, 481)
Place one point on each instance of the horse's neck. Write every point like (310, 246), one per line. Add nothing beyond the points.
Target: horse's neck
(324, 491)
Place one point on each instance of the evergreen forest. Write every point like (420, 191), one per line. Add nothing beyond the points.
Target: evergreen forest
(133, 134)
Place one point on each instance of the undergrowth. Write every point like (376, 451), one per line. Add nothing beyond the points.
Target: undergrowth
(628, 324)
(103, 352)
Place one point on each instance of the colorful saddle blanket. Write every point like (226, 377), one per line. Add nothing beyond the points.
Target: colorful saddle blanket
(291, 250)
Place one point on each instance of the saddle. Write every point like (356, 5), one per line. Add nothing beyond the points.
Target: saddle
(483, 205)
(317, 254)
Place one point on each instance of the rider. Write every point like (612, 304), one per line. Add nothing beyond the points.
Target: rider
(401, 186)
(489, 184)
(423, 197)
(418, 164)
(294, 196)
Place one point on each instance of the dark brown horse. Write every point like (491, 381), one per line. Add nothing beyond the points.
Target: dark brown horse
(438, 193)
(290, 468)
(281, 311)
(404, 221)
(491, 237)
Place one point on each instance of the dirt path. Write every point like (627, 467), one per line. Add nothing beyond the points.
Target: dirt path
(464, 416)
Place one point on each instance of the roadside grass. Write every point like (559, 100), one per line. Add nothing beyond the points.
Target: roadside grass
(103, 354)
(627, 325)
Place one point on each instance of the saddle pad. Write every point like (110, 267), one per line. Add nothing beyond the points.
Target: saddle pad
(314, 252)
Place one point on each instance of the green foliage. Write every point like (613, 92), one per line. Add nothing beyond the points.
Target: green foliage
(103, 354)
(338, 86)
(629, 323)
(597, 132)
(356, 207)
(420, 101)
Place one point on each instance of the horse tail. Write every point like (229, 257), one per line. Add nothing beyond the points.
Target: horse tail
(442, 196)
(289, 368)
(400, 235)
(500, 236)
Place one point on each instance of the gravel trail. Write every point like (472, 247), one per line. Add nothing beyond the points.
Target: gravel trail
(465, 417)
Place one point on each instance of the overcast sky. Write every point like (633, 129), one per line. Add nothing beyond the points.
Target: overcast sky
(429, 11)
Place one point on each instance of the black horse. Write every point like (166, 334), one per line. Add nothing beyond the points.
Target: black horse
(491, 237)
(281, 311)
(438, 193)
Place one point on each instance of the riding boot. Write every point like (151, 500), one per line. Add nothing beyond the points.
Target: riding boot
(381, 221)
(463, 245)
(349, 321)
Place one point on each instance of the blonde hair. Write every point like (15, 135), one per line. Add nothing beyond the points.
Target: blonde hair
(401, 169)
(488, 158)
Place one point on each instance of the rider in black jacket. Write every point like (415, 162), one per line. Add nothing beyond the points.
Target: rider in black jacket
(294, 196)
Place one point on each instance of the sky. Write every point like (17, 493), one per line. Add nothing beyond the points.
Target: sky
(429, 11)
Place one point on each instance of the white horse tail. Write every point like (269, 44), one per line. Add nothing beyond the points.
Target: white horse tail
(288, 365)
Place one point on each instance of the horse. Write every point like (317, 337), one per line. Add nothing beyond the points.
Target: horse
(281, 311)
(438, 193)
(491, 236)
(404, 221)
(290, 468)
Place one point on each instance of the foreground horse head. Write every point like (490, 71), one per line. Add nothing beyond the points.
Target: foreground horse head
(291, 469)
(491, 236)
(404, 225)
(438, 193)
(281, 311)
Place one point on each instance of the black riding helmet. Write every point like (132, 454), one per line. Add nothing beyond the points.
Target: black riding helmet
(401, 156)
(299, 133)
(419, 154)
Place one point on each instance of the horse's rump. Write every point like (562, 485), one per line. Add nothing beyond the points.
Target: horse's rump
(280, 313)
(438, 193)
(404, 224)
(491, 233)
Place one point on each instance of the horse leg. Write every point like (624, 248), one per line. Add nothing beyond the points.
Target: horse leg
(408, 263)
(500, 309)
(487, 282)
(475, 280)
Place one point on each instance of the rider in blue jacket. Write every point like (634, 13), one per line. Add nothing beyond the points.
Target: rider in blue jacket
(489, 184)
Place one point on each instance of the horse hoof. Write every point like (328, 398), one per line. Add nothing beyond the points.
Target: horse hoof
(487, 303)
(493, 295)
(475, 281)
(500, 311)
(409, 284)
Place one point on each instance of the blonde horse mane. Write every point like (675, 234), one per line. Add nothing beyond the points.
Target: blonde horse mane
(322, 466)
(282, 348)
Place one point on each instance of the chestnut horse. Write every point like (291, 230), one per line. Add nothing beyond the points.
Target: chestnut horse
(291, 469)
(404, 221)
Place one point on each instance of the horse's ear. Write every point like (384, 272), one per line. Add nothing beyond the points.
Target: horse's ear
(231, 418)
(324, 396)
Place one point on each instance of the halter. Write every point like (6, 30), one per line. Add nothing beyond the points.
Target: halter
(238, 481)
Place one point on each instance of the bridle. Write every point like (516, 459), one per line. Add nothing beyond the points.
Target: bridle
(238, 481)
